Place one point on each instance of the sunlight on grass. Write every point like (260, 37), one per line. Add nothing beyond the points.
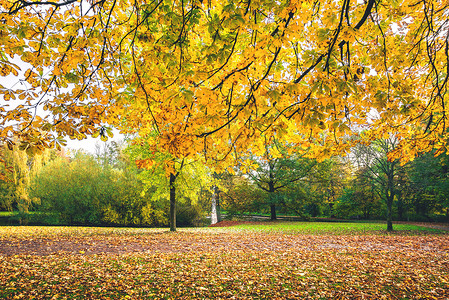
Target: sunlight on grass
(7, 213)
(334, 228)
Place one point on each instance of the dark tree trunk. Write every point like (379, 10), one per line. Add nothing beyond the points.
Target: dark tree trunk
(390, 198)
(172, 202)
(273, 212)
(271, 191)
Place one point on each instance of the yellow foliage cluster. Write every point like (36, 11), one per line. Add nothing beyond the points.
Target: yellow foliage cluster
(214, 78)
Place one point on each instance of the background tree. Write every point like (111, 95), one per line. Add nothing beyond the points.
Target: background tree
(240, 195)
(183, 177)
(360, 199)
(75, 190)
(429, 179)
(18, 169)
(382, 171)
(215, 199)
(277, 170)
(404, 192)
(326, 182)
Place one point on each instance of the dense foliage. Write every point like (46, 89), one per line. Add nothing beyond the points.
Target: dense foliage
(105, 188)
(214, 78)
(108, 189)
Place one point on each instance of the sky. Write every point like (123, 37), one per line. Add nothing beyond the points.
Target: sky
(90, 143)
(12, 81)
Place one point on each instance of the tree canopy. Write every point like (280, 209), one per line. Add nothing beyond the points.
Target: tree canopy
(212, 77)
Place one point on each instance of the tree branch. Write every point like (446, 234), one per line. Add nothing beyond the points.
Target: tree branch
(21, 4)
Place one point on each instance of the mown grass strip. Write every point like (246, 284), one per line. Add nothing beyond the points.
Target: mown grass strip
(336, 228)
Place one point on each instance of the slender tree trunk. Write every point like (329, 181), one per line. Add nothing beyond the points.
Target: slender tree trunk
(273, 212)
(271, 191)
(172, 202)
(390, 198)
(447, 214)
(216, 213)
(217, 190)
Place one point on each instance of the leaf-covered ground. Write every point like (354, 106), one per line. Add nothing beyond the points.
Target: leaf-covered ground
(213, 263)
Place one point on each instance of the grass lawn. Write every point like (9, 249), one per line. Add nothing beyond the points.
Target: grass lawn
(282, 260)
(336, 228)
(8, 213)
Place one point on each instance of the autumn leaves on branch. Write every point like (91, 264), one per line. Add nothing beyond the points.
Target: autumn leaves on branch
(215, 78)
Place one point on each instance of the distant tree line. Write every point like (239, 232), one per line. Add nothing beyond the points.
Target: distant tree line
(107, 188)
(366, 184)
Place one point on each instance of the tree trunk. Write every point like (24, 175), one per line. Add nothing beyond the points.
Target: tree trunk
(218, 205)
(447, 214)
(273, 212)
(390, 198)
(216, 211)
(271, 191)
(172, 202)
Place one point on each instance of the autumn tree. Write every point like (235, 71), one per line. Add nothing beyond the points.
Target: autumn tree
(216, 78)
(212, 77)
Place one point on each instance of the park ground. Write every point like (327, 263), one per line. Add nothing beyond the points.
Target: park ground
(234, 260)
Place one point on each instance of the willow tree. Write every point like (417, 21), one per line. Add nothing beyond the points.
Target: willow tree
(213, 77)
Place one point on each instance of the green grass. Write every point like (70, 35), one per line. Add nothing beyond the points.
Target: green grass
(17, 213)
(8, 213)
(335, 228)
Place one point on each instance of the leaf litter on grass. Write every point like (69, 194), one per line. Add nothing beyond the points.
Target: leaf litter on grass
(99, 263)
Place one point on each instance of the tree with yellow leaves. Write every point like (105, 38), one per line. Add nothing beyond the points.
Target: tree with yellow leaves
(211, 77)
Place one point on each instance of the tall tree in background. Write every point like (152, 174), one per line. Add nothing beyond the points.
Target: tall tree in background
(215, 199)
(328, 179)
(360, 198)
(215, 77)
(173, 169)
(277, 170)
(430, 183)
(381, 170)
(182, 176)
